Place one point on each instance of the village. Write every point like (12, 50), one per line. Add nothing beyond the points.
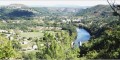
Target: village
(25, 38)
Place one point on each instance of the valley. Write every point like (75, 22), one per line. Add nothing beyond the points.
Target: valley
(33, 33)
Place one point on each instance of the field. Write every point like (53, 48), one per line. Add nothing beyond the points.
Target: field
(31, 34)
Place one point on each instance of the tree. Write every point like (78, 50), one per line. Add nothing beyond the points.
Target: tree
(16, 45)
(6, 49)
(58, 47)
(115, 8)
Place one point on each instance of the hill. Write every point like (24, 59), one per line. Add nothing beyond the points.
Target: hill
(104, 26)
(99, 10)
(96, 18)
(20, 11)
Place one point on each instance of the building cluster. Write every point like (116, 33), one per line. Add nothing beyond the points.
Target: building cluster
(76, 20)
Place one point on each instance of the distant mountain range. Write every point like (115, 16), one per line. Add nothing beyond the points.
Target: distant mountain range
(20, 11)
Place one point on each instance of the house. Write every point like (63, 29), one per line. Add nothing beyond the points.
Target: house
(68, 20)
(24, 42)
(80, 43)
(72, 44)
(77, 20)
(20, 31)
(41, 44)
(11, 31)
(4, 21)
(11, 38)
(3, 31)
(8, 35)
(64, 21)
(34, 47)
(76, 44)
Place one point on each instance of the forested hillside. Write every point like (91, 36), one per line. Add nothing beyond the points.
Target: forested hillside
(105, 31)
(97, 18)
(19, 11)
(99, 10)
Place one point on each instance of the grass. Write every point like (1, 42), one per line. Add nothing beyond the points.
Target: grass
(31, 34)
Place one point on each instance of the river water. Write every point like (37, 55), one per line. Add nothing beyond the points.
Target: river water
(82, 36)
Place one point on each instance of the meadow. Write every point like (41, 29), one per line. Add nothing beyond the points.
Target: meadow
(31, 34)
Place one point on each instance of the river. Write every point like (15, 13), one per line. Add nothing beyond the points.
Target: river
(82, 36)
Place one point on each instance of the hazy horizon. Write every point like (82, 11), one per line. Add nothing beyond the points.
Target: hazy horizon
(55, 3)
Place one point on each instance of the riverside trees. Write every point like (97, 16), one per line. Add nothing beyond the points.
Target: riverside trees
(58, 46)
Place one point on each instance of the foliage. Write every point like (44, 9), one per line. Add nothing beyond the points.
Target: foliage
(105, 47)
(6, 49)
(58, 47)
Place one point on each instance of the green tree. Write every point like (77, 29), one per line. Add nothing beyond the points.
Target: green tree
(6, 49)
(58, 47)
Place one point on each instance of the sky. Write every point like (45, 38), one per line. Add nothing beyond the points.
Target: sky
(57, 3)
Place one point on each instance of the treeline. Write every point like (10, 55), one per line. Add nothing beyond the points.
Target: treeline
(106, 45)
(29, 13)
(16, 14)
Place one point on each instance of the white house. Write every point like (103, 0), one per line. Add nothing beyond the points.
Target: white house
(11, 31)
(3, 31)
(8, 35)
(80, 43)
(34, 47)
(24, 42)
(4, 21)
(11, 38)
(64, 21)
(72, 44)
